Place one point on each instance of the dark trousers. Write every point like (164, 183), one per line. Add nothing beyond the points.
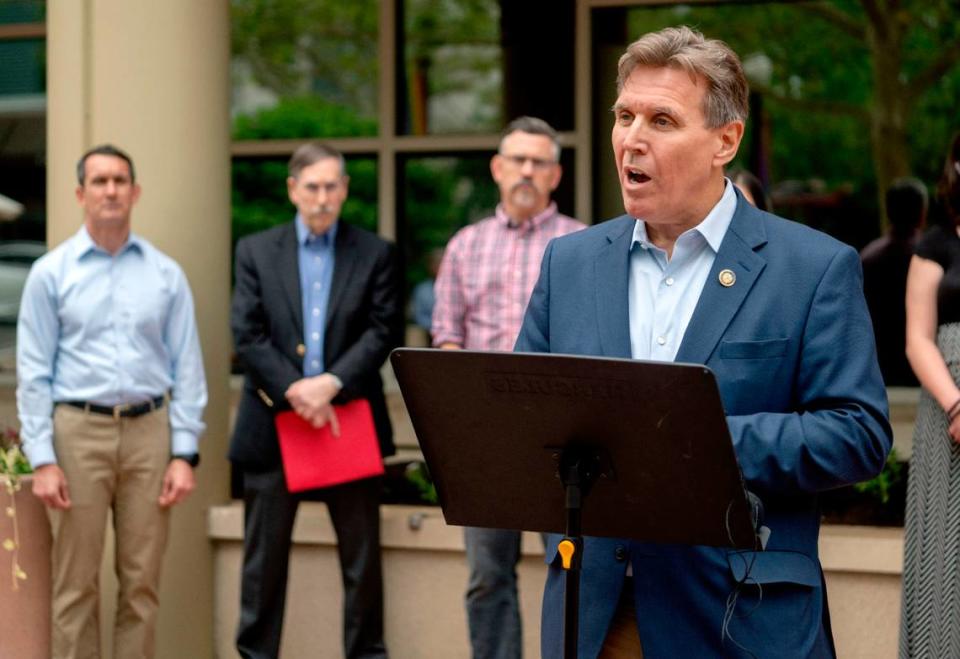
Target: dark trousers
(269, 514)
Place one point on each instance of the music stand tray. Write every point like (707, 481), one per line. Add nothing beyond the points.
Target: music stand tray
(493, 428)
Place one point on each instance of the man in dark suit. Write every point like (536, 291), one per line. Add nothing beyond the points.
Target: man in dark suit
(316, 309)
(695, 274)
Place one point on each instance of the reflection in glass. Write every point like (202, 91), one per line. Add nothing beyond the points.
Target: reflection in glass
(439, 196)
(22, 11)
(304, 68)
(453, 67)
(471, 66)
(22, 66)
(260, 195)
(23, 135)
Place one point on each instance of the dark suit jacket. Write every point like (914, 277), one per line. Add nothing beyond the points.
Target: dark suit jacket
(364, 322)
(791, 345)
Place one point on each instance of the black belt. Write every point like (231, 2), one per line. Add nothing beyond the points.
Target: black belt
(117, 411)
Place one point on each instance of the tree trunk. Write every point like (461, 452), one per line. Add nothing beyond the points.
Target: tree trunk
(890, 107)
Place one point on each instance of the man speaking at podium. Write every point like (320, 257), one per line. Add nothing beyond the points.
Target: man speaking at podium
(692, 273)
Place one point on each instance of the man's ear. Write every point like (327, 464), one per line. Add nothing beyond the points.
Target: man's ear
(555, 179)
(496, 167)
(291, 185)
(729, 137)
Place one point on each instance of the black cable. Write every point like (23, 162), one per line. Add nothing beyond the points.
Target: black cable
(734, 596)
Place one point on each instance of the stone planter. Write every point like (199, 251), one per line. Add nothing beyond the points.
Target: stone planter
(425, 575)
(25, 612)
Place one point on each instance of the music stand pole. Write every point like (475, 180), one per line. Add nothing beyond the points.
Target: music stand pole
(579, 469)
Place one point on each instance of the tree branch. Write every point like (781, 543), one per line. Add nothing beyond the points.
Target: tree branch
(837, 17)
(946, 60)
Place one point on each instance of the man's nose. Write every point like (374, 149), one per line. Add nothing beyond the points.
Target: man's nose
(527, 167)
(111, 188)
(635, 137)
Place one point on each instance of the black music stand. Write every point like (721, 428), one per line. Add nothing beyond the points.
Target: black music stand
(577, 445)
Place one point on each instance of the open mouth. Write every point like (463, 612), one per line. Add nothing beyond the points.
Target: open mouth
(636, 176)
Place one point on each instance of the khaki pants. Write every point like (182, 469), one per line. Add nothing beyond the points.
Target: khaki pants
(118, 465)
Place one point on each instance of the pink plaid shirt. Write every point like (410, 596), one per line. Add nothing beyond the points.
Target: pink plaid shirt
(488, 272)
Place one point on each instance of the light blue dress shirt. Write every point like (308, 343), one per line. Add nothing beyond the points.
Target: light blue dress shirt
(664, 292)
(316, 276)
(107, 329)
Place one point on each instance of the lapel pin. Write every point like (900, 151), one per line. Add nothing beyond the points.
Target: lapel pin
(727, 278)
(301, 349)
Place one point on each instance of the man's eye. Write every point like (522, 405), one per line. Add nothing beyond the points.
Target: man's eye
(624, 117)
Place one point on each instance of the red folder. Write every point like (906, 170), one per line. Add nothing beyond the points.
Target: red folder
(314, 458)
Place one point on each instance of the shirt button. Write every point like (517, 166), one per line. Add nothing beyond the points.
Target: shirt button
(316, 285)
(661, 341)
(315, 363)
(316, 311)
(315, 336)
(620, 553)
(668, 281)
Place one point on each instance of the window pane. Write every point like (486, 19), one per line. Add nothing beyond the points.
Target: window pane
(471, 66)
(22, 66)
(453, 66)
(22, 11)
(304, 68)
(440, 195)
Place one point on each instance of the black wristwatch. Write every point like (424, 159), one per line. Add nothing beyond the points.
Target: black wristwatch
(192, 459)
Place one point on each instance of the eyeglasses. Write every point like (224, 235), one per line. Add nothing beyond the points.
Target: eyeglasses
(519, 161)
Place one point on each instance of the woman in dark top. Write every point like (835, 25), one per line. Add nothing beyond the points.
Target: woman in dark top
(930, 621)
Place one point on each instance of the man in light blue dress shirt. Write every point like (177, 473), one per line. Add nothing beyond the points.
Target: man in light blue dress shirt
(110, 394)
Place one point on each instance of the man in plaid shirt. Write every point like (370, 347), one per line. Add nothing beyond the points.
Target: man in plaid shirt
(487, 275)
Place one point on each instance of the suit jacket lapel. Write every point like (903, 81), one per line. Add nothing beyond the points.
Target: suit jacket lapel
(718, 303)
(344, 261)
(612, 271)
(288, 262)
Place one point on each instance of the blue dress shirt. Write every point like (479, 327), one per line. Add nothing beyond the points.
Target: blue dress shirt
(316, 257)
(423, 301)
(664, 292)
(107, 329)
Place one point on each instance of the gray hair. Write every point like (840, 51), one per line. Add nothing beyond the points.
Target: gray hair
(686, 49)
(310, 153)
(534, 126)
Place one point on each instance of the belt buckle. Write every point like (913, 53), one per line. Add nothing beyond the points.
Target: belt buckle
(118, 410)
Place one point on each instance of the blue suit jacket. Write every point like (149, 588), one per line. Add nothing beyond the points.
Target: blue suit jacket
(793, 351)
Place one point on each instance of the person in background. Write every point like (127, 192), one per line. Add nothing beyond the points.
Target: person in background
(485, 279)
(931, 561)
(315, 312)
(885, 264)
(423, 298)
(752, 189)
(111, 393)
(692, 273)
